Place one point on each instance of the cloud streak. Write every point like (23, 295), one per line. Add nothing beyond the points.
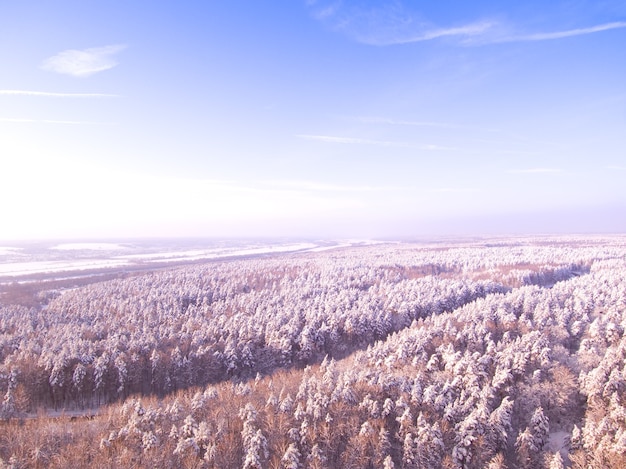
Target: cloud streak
(83, 63)
(364, 141)
(382, 120)
(467, 31)
(350, 140)
(398, 24)
(535, 171)
(47, 94)
(453, 190)
(443, 125)
(563, 34)
(485, 32)
(313, 186)
(15, 120)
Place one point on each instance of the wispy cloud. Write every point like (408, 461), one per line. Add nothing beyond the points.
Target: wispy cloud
(485, 32)
(383, 120)
(15, 120)
(535, 171)
(48, 94)
(465, 32)
(314, 186)
(83, 63)
(398, 23)
(351, 140)
(327, 11)
(400, 122)
(563, 34)
(364, 141)
(454, 190)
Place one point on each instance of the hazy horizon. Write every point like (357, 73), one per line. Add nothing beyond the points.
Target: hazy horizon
(311, 118)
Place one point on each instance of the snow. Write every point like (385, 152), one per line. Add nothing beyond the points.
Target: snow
(327, 248)
(164, 256)
(6, 251)
(16, 269)
(558, 442)
(349, 243)
(88, 247)
(194, 255)
(365, 242)
(272, 249)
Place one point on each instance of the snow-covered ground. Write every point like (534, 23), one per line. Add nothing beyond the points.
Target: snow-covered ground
(347, 243)
(558, 442)
(18, 269)
(326, 248)
(89, 247)
(82, 256)
(9, 251)
(216, 253)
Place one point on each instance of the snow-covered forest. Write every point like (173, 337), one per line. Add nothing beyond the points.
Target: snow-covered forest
(505, 353)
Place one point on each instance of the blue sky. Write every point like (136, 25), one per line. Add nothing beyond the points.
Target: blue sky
(311, 118)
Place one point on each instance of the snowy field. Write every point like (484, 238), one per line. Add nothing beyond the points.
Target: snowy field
(20, 261)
